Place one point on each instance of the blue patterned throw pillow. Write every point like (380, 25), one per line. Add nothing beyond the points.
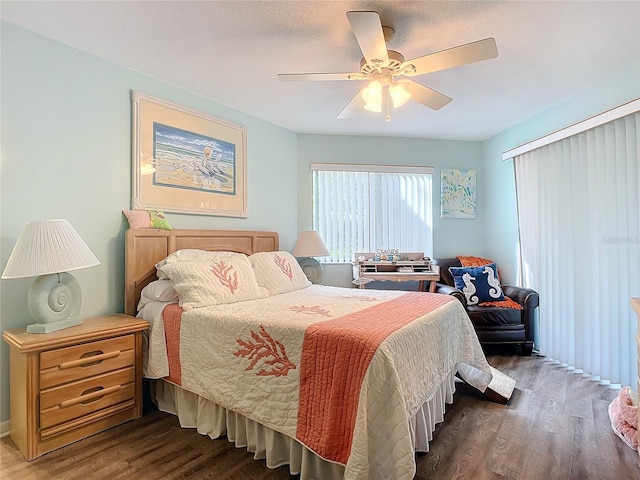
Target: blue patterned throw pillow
(479, 284)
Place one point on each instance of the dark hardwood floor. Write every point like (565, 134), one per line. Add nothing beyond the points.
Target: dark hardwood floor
(556, 426)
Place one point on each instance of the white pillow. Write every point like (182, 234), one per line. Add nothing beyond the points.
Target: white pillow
(211, 282)
(158, 291)
(278, 272)
(192, 255)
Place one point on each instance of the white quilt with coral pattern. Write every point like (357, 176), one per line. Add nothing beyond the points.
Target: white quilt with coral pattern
(342, 370)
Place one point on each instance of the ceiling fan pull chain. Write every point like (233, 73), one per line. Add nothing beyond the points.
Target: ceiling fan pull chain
(388, 117)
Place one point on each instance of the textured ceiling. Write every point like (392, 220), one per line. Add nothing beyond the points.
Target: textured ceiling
(232, 51)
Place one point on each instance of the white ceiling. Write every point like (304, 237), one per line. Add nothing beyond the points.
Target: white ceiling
(232, 51)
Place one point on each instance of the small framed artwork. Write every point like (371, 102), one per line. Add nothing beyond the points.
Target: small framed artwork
(186, 161)
(457, 193)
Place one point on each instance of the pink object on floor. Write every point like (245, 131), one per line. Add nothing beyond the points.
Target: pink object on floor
(623, 412)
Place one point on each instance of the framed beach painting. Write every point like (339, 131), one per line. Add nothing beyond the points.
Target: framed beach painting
(457, 193)
(186, 161)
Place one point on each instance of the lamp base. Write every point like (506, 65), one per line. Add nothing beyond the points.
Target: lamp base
(312, 269)
(53, 326)
(54, 302)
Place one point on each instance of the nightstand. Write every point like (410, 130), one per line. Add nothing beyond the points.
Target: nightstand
(72, 383)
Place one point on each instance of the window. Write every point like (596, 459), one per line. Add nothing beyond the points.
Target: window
(362, 208)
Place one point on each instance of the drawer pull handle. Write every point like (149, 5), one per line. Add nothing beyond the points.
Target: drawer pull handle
(88, 361)
(89, 395)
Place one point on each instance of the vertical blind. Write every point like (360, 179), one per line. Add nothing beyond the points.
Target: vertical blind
(579, 215)
(364, 208)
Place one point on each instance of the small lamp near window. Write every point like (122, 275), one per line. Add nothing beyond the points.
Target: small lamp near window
(49, 249)
(308, 245)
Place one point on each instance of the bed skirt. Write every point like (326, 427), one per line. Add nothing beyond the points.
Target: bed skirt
(278, 449)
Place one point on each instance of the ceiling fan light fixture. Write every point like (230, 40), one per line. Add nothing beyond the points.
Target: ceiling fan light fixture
(373, 92)
(374, 107)
(381, 67)
(372, 95)
(399, 95)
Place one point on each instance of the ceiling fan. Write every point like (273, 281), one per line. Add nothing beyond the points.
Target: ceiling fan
(383, 68)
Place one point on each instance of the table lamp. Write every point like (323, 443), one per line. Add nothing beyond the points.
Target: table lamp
(309, 244)
(49, 249)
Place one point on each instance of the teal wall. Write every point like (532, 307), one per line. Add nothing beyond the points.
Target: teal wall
(66, 153)
(501, 223)
(450, 236)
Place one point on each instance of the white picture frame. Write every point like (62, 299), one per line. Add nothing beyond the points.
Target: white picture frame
(186, 161)
(458, 193)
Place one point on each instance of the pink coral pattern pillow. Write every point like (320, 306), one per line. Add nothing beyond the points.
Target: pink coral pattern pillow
(213, 282)
(192, 255)
(278, 272)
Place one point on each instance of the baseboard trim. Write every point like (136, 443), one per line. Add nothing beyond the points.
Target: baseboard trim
(5, 428)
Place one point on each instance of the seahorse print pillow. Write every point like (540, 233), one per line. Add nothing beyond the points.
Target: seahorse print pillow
(479, 284)
(213, 282)
(278, 272)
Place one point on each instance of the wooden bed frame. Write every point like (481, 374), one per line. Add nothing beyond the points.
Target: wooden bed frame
(146, 247)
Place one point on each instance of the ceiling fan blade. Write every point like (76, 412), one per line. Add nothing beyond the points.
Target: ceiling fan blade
(355, 106)
(453, 57)
(318, 77)
(425, 95)
(367, 28)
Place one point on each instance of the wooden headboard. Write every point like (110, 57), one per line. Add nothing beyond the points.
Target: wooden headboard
(146, 247)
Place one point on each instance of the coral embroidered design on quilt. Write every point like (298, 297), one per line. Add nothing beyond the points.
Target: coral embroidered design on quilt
(268, 350)
(226, 274)
(361, 298)
(316, 309)
(283, 265)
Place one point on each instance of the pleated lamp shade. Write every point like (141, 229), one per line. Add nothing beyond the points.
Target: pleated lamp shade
(309, 244)
(49, 246)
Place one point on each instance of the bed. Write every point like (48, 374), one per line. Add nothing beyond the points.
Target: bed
(334, 382)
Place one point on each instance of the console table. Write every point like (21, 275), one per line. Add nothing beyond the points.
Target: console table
(411, 268)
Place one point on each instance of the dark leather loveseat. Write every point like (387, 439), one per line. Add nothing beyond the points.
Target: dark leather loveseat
(495, 325)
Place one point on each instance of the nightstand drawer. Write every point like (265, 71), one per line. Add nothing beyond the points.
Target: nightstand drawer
(85, 360)
(61, 404)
